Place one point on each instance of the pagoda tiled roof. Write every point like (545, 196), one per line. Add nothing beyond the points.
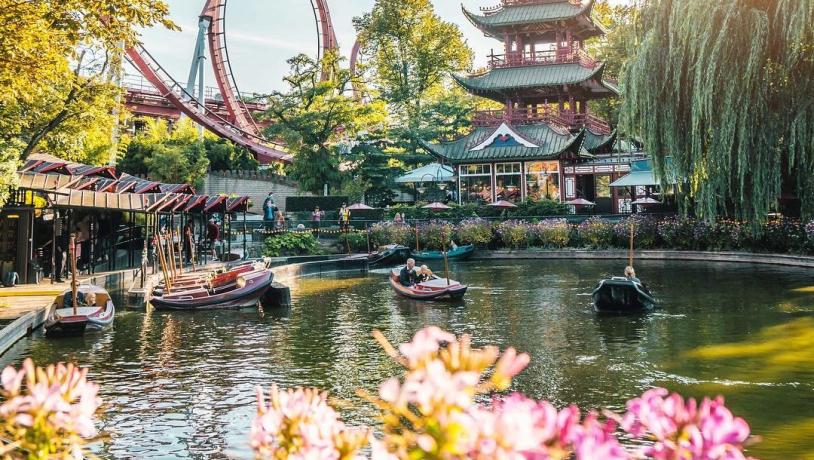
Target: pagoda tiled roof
(599, 143)
(500, 81)
(509, 16)
(552, 142)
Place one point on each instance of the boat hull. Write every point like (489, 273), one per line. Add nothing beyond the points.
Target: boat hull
(459, 253)
(437, 290)
(64, 322)
(389, 257)
(620, 295)
(200, 299)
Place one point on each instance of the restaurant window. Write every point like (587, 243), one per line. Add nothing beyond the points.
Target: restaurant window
(508, 181)
(543, 180)
(476, 183)
(603, 187)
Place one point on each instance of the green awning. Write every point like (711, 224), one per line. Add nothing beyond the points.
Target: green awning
(433, 172)
(642, 175)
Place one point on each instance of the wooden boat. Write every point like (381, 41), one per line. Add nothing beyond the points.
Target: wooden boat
(460, 253)
(216, 279)
(64, 320)
(393, 254)
(246, 290)
(622, 295)
(434, 289)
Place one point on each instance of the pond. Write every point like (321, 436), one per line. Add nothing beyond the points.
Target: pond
(182, 385)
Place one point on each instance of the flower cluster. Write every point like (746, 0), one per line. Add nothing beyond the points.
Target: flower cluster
(384, 233)
(436, 234)
(475, 231)
(552, 233)
(47, 413)
(685, 429)
(299, 424)
(514, 233)
(595, 233)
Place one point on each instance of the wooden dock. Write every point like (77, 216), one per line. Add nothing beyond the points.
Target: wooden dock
(24, 309)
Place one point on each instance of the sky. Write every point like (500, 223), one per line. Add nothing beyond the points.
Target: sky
(262, 34)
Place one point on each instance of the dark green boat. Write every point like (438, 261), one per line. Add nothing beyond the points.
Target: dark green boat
(459, 253)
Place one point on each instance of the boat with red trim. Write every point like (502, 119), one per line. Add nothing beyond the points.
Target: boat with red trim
(92, 311)
(245, 291)
(440, 289)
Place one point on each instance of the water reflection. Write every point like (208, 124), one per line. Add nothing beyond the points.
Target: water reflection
(182, 385)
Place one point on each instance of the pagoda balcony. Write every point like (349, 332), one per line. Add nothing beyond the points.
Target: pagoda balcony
(561, 56)
(505, 3)
(566, 119)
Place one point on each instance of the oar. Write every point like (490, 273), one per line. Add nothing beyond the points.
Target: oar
(74, 284)
(630, 255)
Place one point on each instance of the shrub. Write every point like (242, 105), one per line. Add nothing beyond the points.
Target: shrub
(552, 233)
(676, 232)
(436, 234)
(356, 240)
(514, 233)
(644, 231)
(596, 233)
(392, 233)
(475, 231)
(291, 244)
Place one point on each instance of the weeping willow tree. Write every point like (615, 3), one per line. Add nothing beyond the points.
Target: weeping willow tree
(726, 88)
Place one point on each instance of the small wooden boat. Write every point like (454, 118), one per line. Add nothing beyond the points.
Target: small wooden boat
(215, 279)
(460, 253)
(94, 311)
(434, 289)
(246, 291)
(622, 295)
(393, 254)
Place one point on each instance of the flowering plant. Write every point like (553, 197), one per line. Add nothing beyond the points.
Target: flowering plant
(434, 412)
(475, 231)
(514, 233)
(436, 234)
(384, 233)
(46, 413)
(552, 233)
(596, 232)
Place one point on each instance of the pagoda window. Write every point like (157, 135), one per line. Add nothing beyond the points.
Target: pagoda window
(476, 183)
(602, 185)
(508, 182)
(543, 180)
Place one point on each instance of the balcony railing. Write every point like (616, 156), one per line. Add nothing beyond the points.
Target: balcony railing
(561, 56)
(505, 3)
(550, 115)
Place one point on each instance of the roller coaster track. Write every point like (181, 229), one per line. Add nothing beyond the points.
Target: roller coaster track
(241, 127)
(174, 92)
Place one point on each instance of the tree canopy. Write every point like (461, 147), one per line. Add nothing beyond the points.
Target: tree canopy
(314, 116)
(727, 89)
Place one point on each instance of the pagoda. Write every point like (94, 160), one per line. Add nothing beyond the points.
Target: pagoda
(544, 142)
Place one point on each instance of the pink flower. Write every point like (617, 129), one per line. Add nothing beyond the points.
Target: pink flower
(682, 429)
(595, 441)
(425, 343)
(509, 365)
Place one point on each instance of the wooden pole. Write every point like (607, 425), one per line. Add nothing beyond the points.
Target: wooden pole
(416, 236)
(74, 283)
(367, 233)
(446, 258)
(171, 252)
(630, 256)
(163, 263)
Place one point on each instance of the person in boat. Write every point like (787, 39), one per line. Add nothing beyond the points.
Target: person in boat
(407, 276)
(424, 274)
(630, 274)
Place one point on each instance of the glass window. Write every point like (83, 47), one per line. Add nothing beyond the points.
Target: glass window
(603, 187)
(476, 189)
(476, 170)
(507, 168)
(508, 182)
(543, 180)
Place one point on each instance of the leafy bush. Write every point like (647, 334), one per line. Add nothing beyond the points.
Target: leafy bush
(475, 231)
(436, 234)
(644, 230)
(291, 244)
(552, 233)
(514, 233)
(676, 232)
(596, 233)
(308, 203)
(356, 240)
(392, 233)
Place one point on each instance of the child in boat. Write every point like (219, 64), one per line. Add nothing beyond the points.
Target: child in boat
(424, 274)
(630, 274)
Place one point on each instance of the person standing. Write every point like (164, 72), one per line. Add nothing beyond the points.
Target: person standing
(269, 209)
(213, 236)
(280, 220)
(189, 243)
(344, 217)
(316, 219)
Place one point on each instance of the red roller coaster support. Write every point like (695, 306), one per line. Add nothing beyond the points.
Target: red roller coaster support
(175, 93)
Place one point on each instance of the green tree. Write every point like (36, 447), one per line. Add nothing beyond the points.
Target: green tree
(727, 90)
(315, 117)
(53, 56)
(225, 156)
(411, 52)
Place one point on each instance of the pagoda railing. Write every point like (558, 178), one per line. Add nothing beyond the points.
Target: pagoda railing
(546, 114)
(561, 56)
(505, 3)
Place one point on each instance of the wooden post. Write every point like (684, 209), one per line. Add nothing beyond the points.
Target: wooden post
(416, 237)
(367, 233)
(54, 246)
(74, 283)
(632, 224)
(446, 256)
(171, 253)
(163, 263)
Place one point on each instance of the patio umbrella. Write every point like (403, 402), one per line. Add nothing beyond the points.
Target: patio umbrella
(502, 204)
(436, 206)
(359, 207)
(646, 201)
(580, 202)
